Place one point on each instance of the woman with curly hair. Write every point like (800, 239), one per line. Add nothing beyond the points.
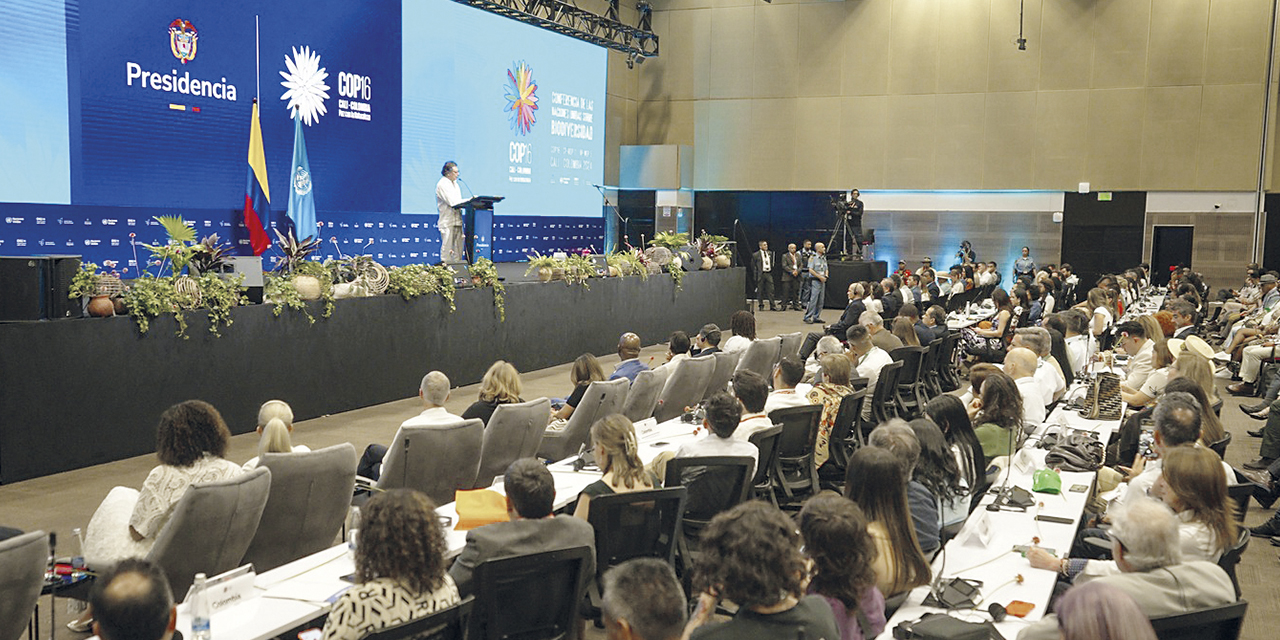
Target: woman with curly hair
(400, 568)
(999, 416)
(877, 481)
(750, 555)
(613, 439)
(837, 543)
(191, 442)
(500, 385)
(743, 325)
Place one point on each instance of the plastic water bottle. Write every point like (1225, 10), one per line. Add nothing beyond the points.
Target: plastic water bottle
(200, 629)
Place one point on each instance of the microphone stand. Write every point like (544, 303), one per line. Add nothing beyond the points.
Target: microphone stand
(1002, 494)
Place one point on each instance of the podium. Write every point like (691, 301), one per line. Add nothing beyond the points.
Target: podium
(477, 226)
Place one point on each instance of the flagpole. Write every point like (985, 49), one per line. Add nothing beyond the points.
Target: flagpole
(257, 58)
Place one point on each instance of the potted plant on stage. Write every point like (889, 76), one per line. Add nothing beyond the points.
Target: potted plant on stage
(297, 280)
(356, 276)
(663, 252)
(414, 280)
(485, 274)
(97, 291)
(714, 251)
(578, 269)
(544, 266)
(152, 295)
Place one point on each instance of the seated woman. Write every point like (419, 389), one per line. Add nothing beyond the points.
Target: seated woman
(1193, 485)
(400, 568)
(191, 441)
(500, 385)
(1191, 365)
(1097, 306)
(1154, 385)
(750, 555)
(989, 343)
(613, 439)
(837, 543)
(906, 331)
(999, 416)
(836, 370)
(275, 428)
(743, 325)
(1101, 611)
(937, 470)
(586, 369)
(948, 413)
(877, 482)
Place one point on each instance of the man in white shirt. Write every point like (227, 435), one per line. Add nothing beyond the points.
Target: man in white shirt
(1077, 339)
(752, 391)
(788, 391)
(722, 415)
(448, 196)
(1177, 420)
(677, 350)
(1020, 364)
(1133, 341)
(870, 360)
(1038, 341)
(434, 391)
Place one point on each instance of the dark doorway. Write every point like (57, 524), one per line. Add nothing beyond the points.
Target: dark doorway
(1170, 246)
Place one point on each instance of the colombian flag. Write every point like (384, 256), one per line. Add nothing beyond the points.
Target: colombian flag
(257, 195)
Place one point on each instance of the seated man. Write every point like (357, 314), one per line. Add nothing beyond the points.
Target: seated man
(911, 312)
(1132, 339)
(629, 353)
(788, 391)
(1038, 341)
(643, 600)
(881, 336)
(434, 391)
(870, 360)
(892, 300)
(1020, 364)
(1146, 545)
(897, 437)
(132, 601)
(752, 392)
(850, 317)
(935, 319)
(677, 350)
(723, 413)
(708, 341)
(531, 494)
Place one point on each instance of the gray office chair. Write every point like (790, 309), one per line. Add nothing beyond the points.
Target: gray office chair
(309, 498)
(601, 399)
(726, 364)
(211, 528)
(514, 432)
(437, 460)
(789, 345)
(642, 399)
(760, 356)
(22, 564)
(685, 387)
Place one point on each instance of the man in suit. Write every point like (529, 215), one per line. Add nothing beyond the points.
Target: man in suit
(892, 299)
(1184, 317)
(790, 277)
(806, 253)
(762, 265)
(850, 318)
(708, 341)
(629, 353)
(532, 528)
(1146, 545)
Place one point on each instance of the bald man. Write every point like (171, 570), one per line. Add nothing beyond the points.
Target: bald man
(133, 600)
(1020, 364)
(629, 353)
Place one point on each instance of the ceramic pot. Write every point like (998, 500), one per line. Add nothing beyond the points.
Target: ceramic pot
(722, 262)
(101, 307)
(544, 274)
(614, 272)
(308, 287)
(708, 263)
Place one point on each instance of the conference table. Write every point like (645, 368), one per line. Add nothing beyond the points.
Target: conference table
(302, 591)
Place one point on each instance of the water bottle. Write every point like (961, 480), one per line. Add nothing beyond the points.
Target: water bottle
(200, 629)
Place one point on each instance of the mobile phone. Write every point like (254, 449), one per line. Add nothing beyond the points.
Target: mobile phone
(1023, 549)
(1055, 519)
(1079, 488)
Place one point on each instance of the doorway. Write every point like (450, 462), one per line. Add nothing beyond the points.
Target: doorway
(1170, 247)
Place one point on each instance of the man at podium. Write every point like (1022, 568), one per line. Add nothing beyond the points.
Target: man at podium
(448, 196)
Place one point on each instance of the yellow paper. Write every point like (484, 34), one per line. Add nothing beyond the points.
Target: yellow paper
(479, 507)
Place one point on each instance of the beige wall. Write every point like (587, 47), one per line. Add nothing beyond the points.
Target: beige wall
(933, 94)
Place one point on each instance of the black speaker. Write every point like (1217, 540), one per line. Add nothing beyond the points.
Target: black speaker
(22, 288)
(61, 269)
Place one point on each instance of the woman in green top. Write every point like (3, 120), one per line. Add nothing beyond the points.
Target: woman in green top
(999, 415)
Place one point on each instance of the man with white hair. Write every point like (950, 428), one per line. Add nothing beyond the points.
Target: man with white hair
(434, 391)
(1048, 371)
(882, 337)
(1147, 548)
(867, 360)
(1020, 364)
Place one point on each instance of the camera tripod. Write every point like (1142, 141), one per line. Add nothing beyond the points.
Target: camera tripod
(845, 233)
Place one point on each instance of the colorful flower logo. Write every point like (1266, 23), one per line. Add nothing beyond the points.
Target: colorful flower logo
(522, 97)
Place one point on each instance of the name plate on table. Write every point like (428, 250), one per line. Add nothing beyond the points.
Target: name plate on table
(978, 532)
(646, 426)
(230, 588)
(1024, 462)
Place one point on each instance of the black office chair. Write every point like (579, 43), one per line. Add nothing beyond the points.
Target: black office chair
(794, 470)
(766, 440)
(1219, 623)
(714, 484)
(883, 405)
(638, 524)
(908, 395)
(845, 438)
(929, 382)
(1220, 447)
(503, 608)
(449, 624)
(1231, 557)
(948, 377)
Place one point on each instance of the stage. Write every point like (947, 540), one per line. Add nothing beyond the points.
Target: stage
(88, 391)
(845, 272)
